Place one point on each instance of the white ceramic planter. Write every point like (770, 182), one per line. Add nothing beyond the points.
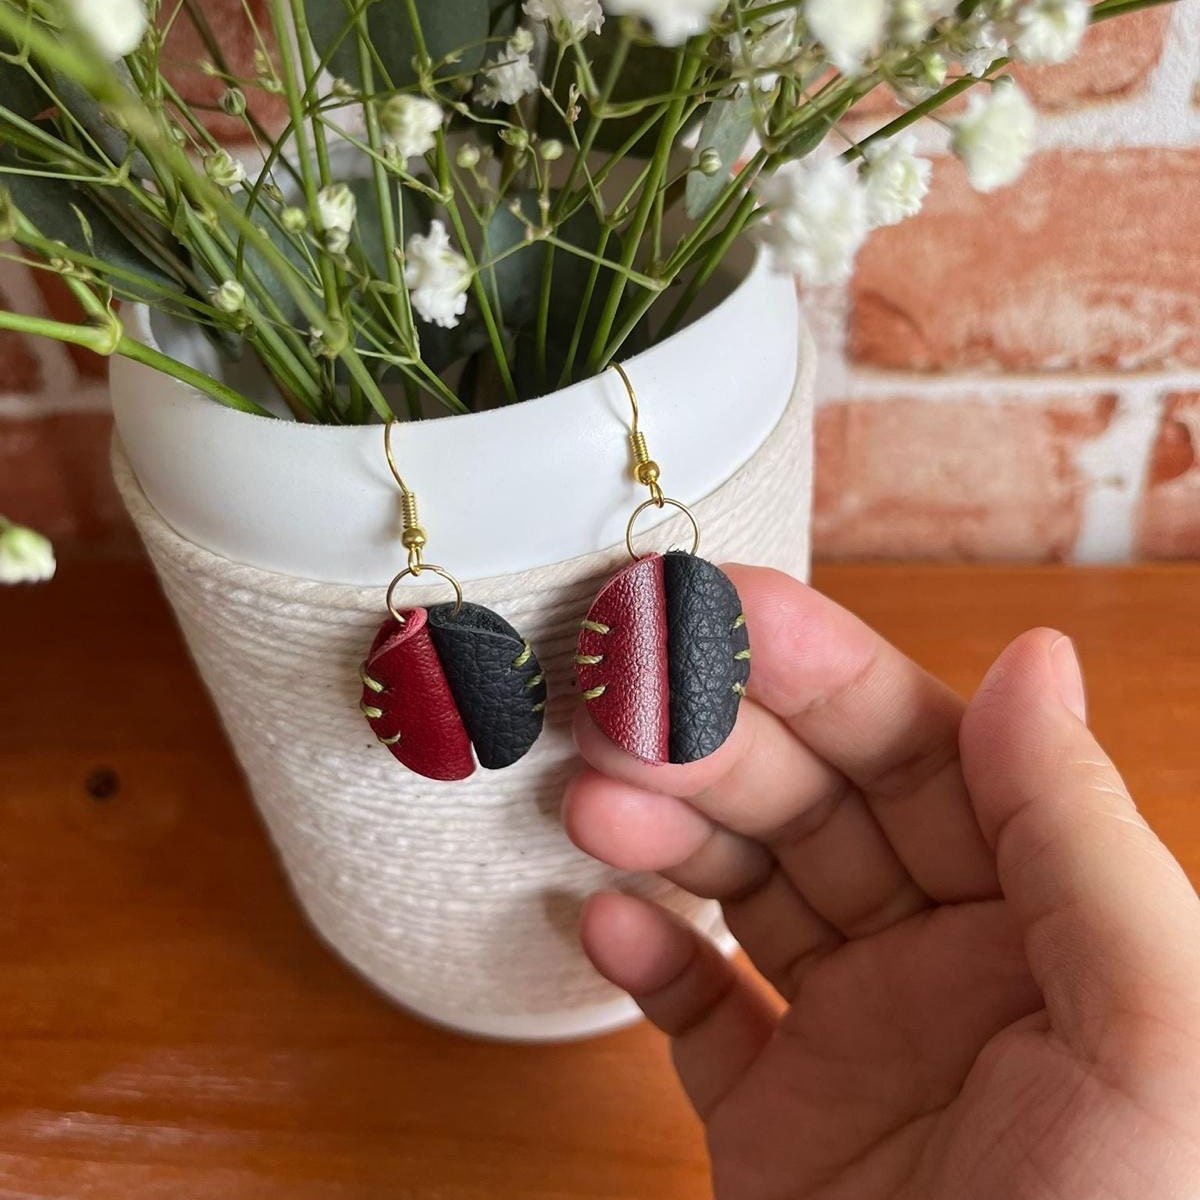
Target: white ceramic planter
(274, 540)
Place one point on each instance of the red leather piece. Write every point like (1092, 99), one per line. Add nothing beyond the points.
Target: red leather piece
(634, 708)
(416, 701)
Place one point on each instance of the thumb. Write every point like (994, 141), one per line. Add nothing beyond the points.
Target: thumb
(1111, 925)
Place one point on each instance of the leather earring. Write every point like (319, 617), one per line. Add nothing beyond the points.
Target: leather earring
(438, 682)
(664, 654)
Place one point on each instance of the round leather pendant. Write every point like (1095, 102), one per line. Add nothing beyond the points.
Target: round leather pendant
(664, 658)
(450, 679)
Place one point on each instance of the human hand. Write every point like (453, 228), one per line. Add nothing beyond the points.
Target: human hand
(991, 964)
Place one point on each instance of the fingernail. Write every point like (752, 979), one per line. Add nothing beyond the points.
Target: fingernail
(1068, 676)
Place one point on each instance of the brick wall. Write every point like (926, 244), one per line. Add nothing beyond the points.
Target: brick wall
(1009, 376)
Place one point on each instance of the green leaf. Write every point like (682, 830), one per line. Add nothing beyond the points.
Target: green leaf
(64, 213)
(515, 287)
(814, 131)
(20, 93)
(726, 129)
(447, 25)
(648, 71)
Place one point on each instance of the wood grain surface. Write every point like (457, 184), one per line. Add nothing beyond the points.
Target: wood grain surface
(171, 1030)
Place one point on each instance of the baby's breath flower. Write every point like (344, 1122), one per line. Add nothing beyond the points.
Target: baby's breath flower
(552, 150)
(410, 124)
(223, 169)
(569, 20)
(818, 222)
(849, 31)
(230, 297)
(977, 42)
(509, 76)
(897, 181)
(995, 136)
(437, 277)
(293, 219)
(765, 47)
(115, 26)
(671, 21)
(25, 556)
(1049, 31)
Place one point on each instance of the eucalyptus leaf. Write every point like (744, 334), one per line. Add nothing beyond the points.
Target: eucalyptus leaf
(20, 93)
(648, 71)
(726, 130)
(515, 286)
(814, 132)
(113, 141)
(61, 212)
(446, 25)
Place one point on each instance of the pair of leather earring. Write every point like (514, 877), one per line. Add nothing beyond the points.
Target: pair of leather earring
(662, 660)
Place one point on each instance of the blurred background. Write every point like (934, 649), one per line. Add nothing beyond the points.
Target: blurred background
(1013, 376)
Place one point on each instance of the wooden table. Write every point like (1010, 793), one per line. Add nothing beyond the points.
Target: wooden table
(171, 1029)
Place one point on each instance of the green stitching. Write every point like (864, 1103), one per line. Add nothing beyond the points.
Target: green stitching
(389, 741)
(589, 660)
(523, 657)
(741, 620)
(596, 692)
(595, 627)
(742, 656)
(373, 684)
(534, 681)
(739, 689)
(539, 707)
(370, 712)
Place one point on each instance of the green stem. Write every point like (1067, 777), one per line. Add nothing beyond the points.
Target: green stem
(690, 65)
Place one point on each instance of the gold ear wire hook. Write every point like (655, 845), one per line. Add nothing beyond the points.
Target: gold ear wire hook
(414, 537)
(645, 470)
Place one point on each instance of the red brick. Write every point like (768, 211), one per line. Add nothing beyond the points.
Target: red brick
(1090, 262)
(954, 478)
(63, 306)
(54, 475)
(1115, 62)
(1169, 522)
(185, 50)
(20, 369)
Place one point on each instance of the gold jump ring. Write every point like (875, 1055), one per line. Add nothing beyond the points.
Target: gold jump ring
(667, 502)
(440, 572)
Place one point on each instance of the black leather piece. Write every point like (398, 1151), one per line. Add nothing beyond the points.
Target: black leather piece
(705, 632)
(503, 714)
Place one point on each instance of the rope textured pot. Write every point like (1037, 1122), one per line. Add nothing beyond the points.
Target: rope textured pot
(460, 901)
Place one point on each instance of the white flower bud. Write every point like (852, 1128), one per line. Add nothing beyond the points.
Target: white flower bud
(223, 169)
(294, 220)
(468, 156)
(25, 556)
(410, 124)
(709, 163)
(552, 150)
(233, 102)
(115, 26)
(230, 297)
(336, 208)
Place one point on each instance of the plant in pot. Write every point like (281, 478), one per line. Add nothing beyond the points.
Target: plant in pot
(472, 209)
